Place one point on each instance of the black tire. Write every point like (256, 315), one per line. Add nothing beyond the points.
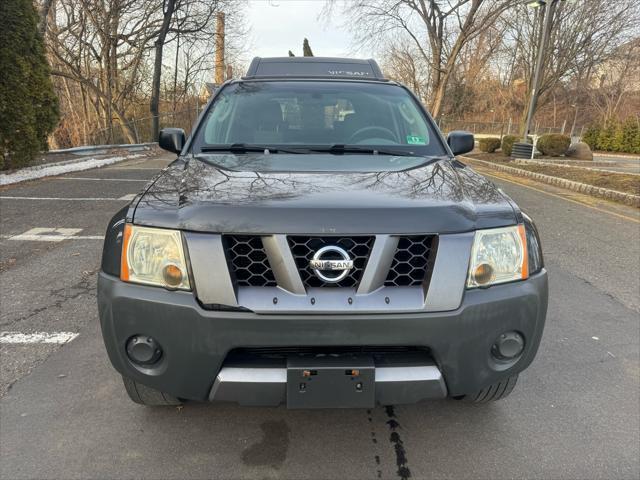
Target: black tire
(494, 392)
(148, 396)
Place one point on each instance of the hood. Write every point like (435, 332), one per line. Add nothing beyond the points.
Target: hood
(440, 197)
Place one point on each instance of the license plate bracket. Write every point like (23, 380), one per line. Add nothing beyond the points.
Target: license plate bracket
(341, 381)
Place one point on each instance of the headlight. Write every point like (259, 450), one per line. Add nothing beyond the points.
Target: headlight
(498, 255)
(154, 256)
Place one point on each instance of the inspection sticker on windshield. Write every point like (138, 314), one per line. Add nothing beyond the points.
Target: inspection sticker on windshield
(416, 140)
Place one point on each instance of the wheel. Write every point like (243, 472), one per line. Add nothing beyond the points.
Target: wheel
(146, 395)
(497, 391)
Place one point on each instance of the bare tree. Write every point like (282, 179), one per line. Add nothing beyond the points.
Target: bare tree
(191, 19)
(168, 7)
(583, 36)
(103, 47)
(615, 79)
(401, 63)
(108, 59)
(439, 29)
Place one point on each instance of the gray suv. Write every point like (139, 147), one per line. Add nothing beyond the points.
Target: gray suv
(316, 243)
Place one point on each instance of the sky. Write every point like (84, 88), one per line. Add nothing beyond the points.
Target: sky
(278, 26)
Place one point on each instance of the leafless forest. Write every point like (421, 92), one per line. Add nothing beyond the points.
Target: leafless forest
(117, 64)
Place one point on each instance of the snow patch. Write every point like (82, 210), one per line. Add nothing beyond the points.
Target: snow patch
(32, 173)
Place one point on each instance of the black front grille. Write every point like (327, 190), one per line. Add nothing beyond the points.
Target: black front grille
(413, 261)
(248, 261)
(303, 249)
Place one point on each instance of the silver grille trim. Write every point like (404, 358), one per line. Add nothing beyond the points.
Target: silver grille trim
(332, 300)
(283, 264)
(214, 285)
(267, 386)
(379, 263)
(209, 266)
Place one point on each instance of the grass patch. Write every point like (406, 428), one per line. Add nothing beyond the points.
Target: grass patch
(496, 157)
(620, 182)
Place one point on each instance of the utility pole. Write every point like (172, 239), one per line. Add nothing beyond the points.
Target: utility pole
(219, 66)
(575, 119)
(547, 14)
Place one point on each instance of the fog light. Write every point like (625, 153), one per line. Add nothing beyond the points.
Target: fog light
(143, 350)
(508, 346)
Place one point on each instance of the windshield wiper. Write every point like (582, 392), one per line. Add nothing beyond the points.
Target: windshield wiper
(340, 149)
(337, 149)
(249, 148)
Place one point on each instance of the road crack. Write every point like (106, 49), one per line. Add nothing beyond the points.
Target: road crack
(85, 286)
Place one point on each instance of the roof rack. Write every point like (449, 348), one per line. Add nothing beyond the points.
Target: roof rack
(314, 67)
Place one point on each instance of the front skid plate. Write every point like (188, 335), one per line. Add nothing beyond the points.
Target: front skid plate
(331, 382)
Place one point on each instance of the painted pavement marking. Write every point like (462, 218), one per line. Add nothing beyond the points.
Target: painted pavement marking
(17, 338)
(48, 234)
(103, 179)
(128, 197)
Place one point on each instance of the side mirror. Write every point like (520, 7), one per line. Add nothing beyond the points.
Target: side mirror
(461, 142)
(172, 139)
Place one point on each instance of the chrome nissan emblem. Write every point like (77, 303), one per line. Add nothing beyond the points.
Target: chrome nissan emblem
(331, 259)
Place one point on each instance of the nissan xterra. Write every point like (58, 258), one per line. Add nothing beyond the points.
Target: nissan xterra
(316, 243)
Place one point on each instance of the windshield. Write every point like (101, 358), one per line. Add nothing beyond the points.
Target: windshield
(309, 113)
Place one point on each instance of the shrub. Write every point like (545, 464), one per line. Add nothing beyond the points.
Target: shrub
(553, 144)
(630, 136)
(28, 105)
(614, 136)
(590, 136)
(507, 144)
(489, 145)
(606, 137)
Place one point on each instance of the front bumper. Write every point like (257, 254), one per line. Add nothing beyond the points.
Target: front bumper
(196, 341)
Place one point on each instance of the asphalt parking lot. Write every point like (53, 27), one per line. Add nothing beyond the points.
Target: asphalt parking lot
(64, 414)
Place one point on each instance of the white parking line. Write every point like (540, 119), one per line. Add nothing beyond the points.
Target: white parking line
(103, 179)
(48, 234)
(50, 238)
(76, 199)
(36, 337)
(157, 169)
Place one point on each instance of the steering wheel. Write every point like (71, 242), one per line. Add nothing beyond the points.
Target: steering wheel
(365, 130)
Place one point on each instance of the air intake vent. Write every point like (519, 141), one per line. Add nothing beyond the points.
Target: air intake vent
(248, 261)
(413, 261)
(303, 249)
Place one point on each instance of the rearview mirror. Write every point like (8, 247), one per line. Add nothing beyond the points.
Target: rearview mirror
(172, 139)
(460, 142)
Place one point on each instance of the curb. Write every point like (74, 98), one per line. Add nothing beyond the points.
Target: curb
(133, 147)
(628, 156)
(566, 164)
(83, 162)
(60, 168)
(608, 194)
(82, 153)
